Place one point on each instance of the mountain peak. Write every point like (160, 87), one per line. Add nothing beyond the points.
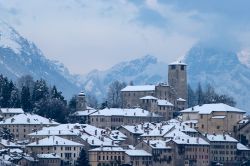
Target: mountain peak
(222, 69)
(21, 57)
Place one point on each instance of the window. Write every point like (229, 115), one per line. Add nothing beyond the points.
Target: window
(173, 67)
(182, 67)
(202, 126)
(201, 116)
(218, 127)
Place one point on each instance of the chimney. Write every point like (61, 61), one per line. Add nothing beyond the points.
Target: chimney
(37, 141)
(95, 131)
(57, 142)
(8, 142)
(113, 143)
(187, 140)
(148, 141)
(93, 141)
(59, 131)
(101, 147)
(197, 140)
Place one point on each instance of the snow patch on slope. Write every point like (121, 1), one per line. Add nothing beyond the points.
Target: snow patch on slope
(9, 38)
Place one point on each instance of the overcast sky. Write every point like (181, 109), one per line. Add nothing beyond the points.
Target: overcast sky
(96, 34)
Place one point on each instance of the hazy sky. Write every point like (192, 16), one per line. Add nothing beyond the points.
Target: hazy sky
(89, 34)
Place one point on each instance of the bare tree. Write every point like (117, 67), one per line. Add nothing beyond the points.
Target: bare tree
(114, 97)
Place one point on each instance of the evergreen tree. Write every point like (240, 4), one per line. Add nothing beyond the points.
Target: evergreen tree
(82, 160)
(191, 97)
(14, 98)
(40, 91)
(72, 104)
(199, 94)
(26, 99)
(26, 81)
(56, 94)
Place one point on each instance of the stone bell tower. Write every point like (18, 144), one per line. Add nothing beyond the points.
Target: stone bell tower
(81, 102)
(177, 78)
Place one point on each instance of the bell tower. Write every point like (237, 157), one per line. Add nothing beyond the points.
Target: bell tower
(81, 102)
(177, 78)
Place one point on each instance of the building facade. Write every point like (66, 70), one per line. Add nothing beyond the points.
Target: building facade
(214, 118)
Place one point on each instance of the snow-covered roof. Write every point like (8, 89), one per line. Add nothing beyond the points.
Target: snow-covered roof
(157, 144)
(7, 143)
(50, 131)
(16, 150)
(48, 156)
(158, 131)
(137, 153)
(98, 140)
(180, 137)
(190, 140)
(108, 149)
(164, 103)
(148, 98)
(138, 88)
(181, 99)
(133, 129)
(190, 121)
(54, 141)
(243, 121)
(27, 119)
(178, 63)
(84, 113)
(240, 146)
(124, 112)
(218, 117)
(117, 135)
(220, 138)
(12, 110)
(209, 108)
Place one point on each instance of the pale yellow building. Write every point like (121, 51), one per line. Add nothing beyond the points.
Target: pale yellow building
(23, 124)
(214, 118)
(67, 150)
(116, 156)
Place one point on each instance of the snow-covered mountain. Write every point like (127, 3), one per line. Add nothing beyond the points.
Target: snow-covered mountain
(19, 57)
(227, 71)
(145, 70)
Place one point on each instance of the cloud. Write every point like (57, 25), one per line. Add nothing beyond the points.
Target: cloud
(88, 34)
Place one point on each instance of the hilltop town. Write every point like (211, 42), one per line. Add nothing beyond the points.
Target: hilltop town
(154, 126)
